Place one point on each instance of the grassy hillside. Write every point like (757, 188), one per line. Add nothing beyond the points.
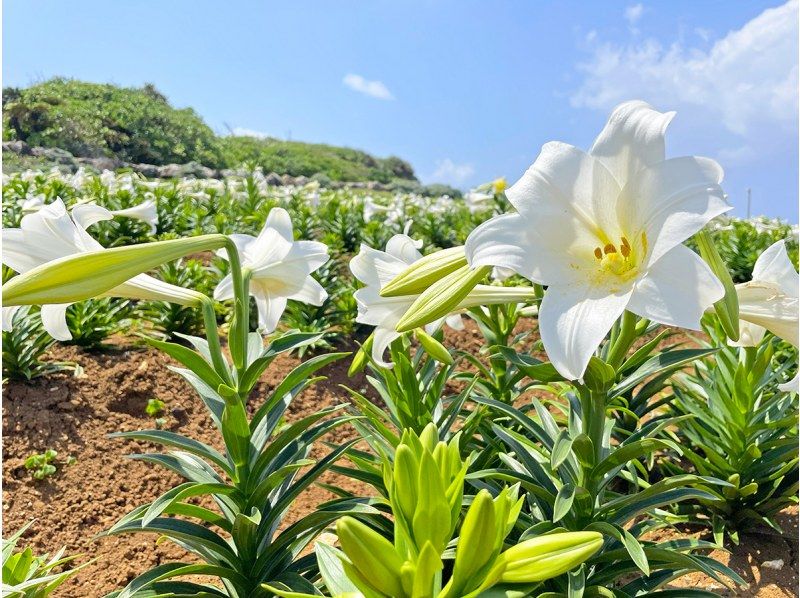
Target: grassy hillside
(139, 125)
(93, 120)
(307, 159)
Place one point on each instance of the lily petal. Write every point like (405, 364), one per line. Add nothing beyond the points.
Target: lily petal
(672, 200)
(311, 292)
(765, 305)
(750, 335)
(224, 290)
(513, 242)
(52, 232)
(676, 290)
(18, 256)
(455, 322)
(87, 214)
(145, 211)
(567, 188)
(382, 338)
(375, 268)
(8, 317)
(54, 320)
(792, 385)
(270, 310)
(380, 311)
(501, 242)
(279, 219)
(632, 139)
(573, 320)
(404, 248)
(774, 266)
(242, 243)
(268, 248)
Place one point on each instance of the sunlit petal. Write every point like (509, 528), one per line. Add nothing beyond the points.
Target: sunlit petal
(676, 290)
(632, 139)
(573, 320)
(87, 214)
(54, 321)
(774, 266)
(670, 201)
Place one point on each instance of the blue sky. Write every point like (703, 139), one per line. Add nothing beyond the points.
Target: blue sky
(466, 90)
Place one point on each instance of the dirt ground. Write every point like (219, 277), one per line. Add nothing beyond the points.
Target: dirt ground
(74, 415)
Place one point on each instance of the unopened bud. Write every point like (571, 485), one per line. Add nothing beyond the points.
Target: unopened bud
(372, 555)
(548, 556)
(727, 308)
(433, 347)
(442, 297)
(106, 272)
(424, 272)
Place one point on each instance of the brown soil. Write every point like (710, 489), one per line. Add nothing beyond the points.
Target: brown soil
(74, 415)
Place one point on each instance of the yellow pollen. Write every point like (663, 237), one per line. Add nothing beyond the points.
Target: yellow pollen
(620, 261)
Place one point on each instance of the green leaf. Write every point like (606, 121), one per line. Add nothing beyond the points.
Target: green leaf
(657, 364)
(563, 502)
(191, 359)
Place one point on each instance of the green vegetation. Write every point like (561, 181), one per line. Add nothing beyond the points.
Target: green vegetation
(139, 125)
(26, 575)
(41, 466)
(296, 158)
(93, 120)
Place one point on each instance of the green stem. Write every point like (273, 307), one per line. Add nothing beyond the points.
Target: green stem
(623, 341)
(750, 355)
(241, 319)
(593, 418)
(212, 335)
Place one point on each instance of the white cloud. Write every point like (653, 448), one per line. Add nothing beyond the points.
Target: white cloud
(244, 132)
(748, 79)
(633, 13)
(374, 89)
(736, 155)
(451, 173)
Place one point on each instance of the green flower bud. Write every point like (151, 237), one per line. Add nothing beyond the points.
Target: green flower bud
(105, 272)
(477, 547)
(372, 555)
(361, 357)
(433, 347)
(441, 298)
(404, 488)
(727, 308)
(548, 556)
(432, 520)
(424, 272)
(428, 565)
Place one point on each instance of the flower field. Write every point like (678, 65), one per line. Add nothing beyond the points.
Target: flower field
(580, 384)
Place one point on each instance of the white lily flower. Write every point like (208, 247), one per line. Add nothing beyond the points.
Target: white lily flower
(770, 302)
(477, 200)
(280, 269)
(371, 208)
(32, 204)
(51, 233)
(145, 211)
(375, 269)
(604, 231)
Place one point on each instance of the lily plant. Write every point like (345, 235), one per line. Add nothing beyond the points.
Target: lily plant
(262, 467)
(411, 556)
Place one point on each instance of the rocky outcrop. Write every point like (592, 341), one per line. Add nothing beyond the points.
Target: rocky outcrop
(66, 160)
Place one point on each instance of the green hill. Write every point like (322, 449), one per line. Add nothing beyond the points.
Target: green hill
(139, 125)
(307, 159)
